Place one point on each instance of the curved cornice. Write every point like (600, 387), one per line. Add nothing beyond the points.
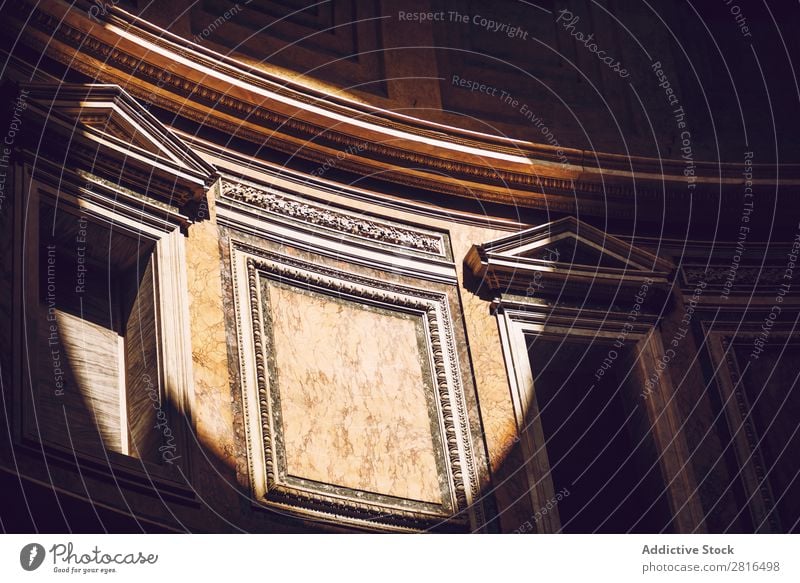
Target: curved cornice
(210, 89)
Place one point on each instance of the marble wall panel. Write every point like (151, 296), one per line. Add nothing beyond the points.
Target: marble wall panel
(212, 411)
(352, 384)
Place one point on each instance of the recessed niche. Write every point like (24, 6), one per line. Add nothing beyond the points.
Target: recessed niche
(597, 437)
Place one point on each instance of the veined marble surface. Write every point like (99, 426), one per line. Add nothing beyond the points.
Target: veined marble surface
(352, 382)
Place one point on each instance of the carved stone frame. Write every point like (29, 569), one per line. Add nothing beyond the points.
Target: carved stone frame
(458, 472)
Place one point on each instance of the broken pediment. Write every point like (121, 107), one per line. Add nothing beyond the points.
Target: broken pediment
(567, 259)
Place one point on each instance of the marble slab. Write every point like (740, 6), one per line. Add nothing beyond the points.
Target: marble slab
(352, 381)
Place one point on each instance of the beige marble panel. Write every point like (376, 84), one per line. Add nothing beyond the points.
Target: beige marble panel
(212, 409)
(510, 485)
(351, 381)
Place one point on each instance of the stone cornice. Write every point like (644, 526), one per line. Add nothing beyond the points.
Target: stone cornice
(163, 70)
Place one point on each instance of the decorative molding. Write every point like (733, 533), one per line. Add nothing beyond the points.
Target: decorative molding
(552, 318)
(535, 280)
(745, 276)
(358, 226)
(458, 470)
(355, 46)
(750, 433)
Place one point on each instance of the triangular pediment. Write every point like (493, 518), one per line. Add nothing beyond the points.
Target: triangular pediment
(111, 122)
(573, 250)
(566, 253)
(571, 243)
(104, 129)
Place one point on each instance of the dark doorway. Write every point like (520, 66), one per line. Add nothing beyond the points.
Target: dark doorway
(597, 438)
